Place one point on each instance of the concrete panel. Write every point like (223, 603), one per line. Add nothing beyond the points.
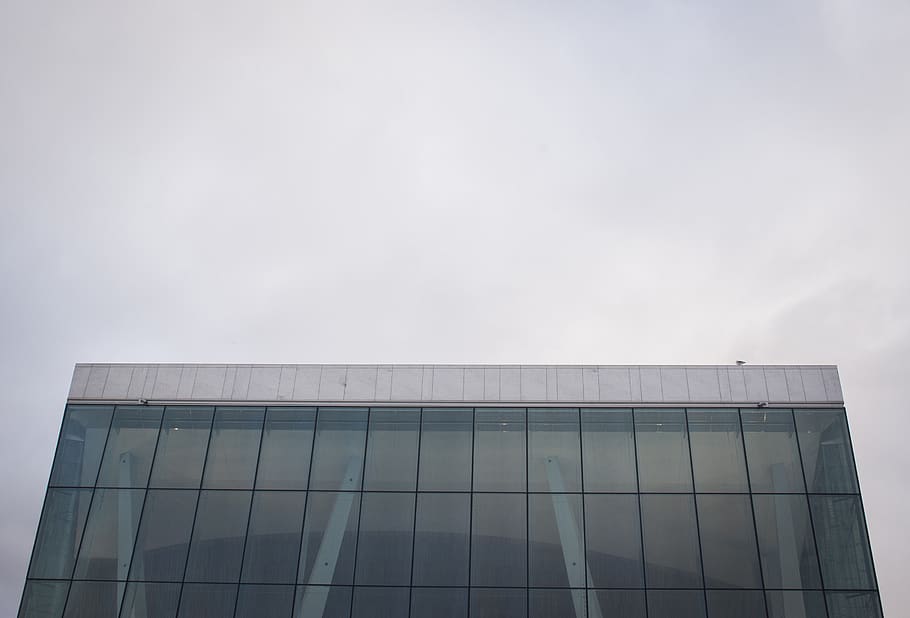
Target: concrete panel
(448, 384)
(723, 383)
(286, 382)
(473, 384)
(242, 378)
(552, 384)
(306, 383)
(230, 374)
(704, 384)
(831, 380)
(635, 383)
(570, 385)
(426, 383)
(360, 384)
(615, 384)
(795, 387)
(166, 382)
(673, 385)
(491, 381)
(590, 384)
(187, 380)
(209, 383)
(137, 381)
(331, 383)
(383, 383)
(406, 382)
(756, 390)
(264, 383)
(80, 380)
(97, 376)
(533, 383)
(118, 382)
(150, 378)
(737, 379)
(813, 385)
(510, 383)
(777, 384)
(650, 384)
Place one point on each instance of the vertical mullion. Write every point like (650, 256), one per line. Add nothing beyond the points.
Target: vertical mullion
(471, 507)
(363, 467)
(414, 521)
(761, 569)
(701, 557)
(306, 505)
(584, 535)
(249, 517)
(641, 527)
(527, 512)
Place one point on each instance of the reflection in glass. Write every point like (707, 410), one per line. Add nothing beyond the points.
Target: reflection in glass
(795, 604)
(207, 600)
(264, 601)
(549, 602)
(287, 441)
(854, 604)
(150, 600)
(499, 603)
(93, 600)
(81, 445)
(439, 602)
(338, 450)
(441, 542)
(608, 445)
(825, 447)
(384, 544)
(182, 447)
(717, 451)
(663, 450)
(445, 449)
(273, 538)
(380, 602)
(554, 452)
(392, 450)
(130, 447)
(43, 599)
(329, 538)
(556, 533)
(676, 604)
(613, 535)
(498, 540)
(499, 449)
(164, 535)
(234, 448)
(738, 603)
(322, 602)
(618, 603)
(772, 452)
(217, 545)
(109, 534)
(670, 541)
(60, 532)
(843, 548)
(786, 542)
(728, 542)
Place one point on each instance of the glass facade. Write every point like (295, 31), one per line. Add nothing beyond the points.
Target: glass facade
(304, 512)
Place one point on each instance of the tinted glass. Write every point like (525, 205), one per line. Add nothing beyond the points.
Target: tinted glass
(608, 444)
(43, 599)
(717, 451)
(439, 603)
(854, 605)
(264, 601)
(93, 600)
(338, 451)
(164, 535)
(273, 538)
(738, 603)
(786, 542)
(676, 604)
(109, 534)
(217, 545)
(728, 542)
(329, 538)
(384, 543)
(234, 448)
(59, 533)
(554, 450)
(499, 450)
(663, 450)
(150, 600)
(442, 542)
(546, 603)
(392, 450)
(825, 447)
(618, 603)
(380, 602)
(670, 542)
(445, 449)
(843, 549)
(81, 445)
(322, 602)
(182, 447)
(613, 535)
(498, 540)
(130, 447)
(556, 534)
(287, 442)
(207, 601)
(795, 604)
(499, 603)
(772, 452)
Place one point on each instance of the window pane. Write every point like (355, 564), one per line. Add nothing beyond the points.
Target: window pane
(547, 603)
(663, 450)
(164, 535)
(130, 447)
(499, 450)
(439, 602)
(499, 540)
(554, 452)
(287, 442)
(445, 449)
(329, 538)
(843, 548)
(825, 446)
(771, 451)
(676, 604)
(392, 450)
(795, 604)
(217, 545)
(81, 445)
(93, 600)
(43, 599)
(441, 544)
(181, 448)
(738, 603)
(234, 448)
(613, 534)
(60, 532)
(728, 542)
(499, 603)
(322, 602)
(111, 529)
(854, 605)
(616, 603)
(717, 451)
(608, 444)
(150, 600)
(384, 544)
(338, 456)
(380, 602)
(207, 600)
(671, 542)
(273, 539)
(265, 602)
(557, 541)
(786, 542)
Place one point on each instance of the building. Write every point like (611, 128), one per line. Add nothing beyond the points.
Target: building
(212, 491)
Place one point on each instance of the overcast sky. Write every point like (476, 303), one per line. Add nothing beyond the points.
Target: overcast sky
(494, 181)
